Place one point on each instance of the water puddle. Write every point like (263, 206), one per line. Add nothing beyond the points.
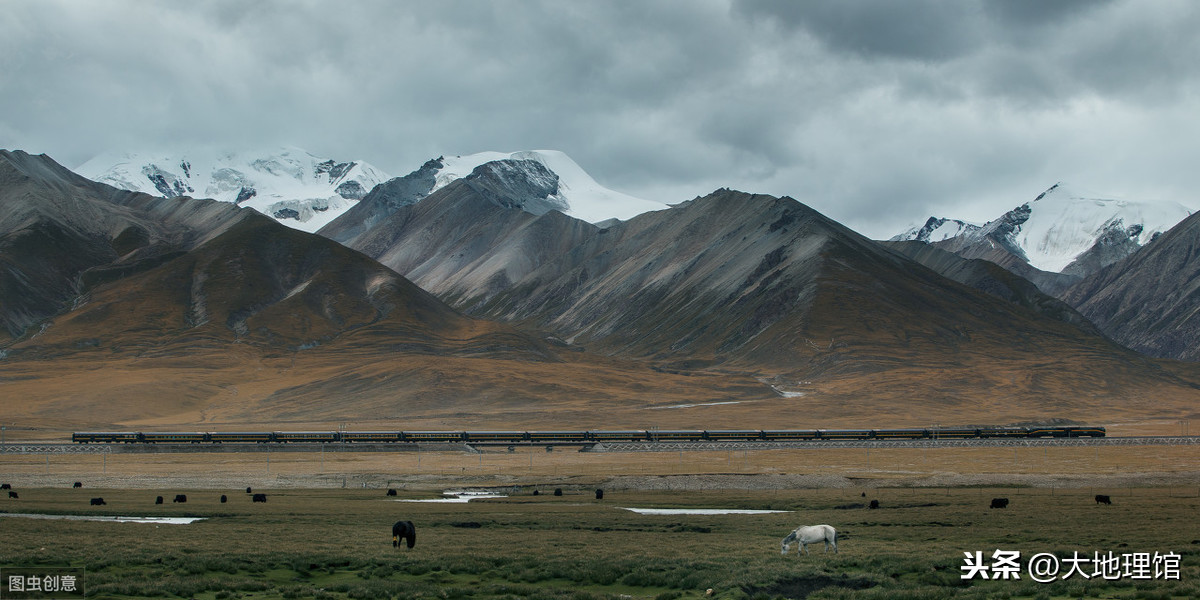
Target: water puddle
(700, 511)
(157, 520)
(458, 497)
(693, 405)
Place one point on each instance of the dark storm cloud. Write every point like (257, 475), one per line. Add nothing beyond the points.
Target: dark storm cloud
(916, 29)
(877, 113)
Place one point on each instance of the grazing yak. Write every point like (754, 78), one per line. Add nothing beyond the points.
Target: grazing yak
(158, 500)
(873, 504)
(805, 535)
(260, 498)
(5, 486)
(98, 502)
(13, 495)
(1102, 499)
(180, 498)
(406, 530)
(78, 484)
(249, 491)
(224, 499)
(999, 503)
(391, 492)
(599, 494)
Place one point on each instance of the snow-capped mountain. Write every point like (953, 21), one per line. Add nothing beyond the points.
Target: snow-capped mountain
(295, 187)
(1060, 231)
(576, 194)
(936, 230)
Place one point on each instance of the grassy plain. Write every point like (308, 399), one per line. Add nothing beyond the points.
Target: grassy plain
(325, 530)
(335, 543)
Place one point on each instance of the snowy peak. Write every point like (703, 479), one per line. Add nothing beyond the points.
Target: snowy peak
(295, 187)
(1062, 224)
(577, 195)
(518, 183)
(936, 230)
(1062, 230)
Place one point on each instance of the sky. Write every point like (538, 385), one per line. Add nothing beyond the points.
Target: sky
(877, 113)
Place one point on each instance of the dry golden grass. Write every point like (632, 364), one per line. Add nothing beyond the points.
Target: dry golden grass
(1101, 466)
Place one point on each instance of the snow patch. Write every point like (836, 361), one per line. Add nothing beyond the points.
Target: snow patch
(584, 197)
(295, 187)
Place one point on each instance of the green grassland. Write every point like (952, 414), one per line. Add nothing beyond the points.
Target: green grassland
(337, 544)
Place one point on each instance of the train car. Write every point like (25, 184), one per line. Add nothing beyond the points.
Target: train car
(239, 437)
(104, 437)
(675, 435)
(172, 437)
(740, 435)
(900, 434)
(360, 437)
(557, 436)
(1088, 432)
(1071, 431)
(777, 435)
(955, 433)
(1003, 432)
(846, 434)
(630, 435)
(495, 436)
(295, 437)
(433, 436)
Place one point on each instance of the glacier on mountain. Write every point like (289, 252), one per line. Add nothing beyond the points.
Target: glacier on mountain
(1062, 230)
(295, 187)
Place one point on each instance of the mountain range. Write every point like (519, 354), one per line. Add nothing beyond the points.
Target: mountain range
(1058, 238)
(476, 298)
(307, 192)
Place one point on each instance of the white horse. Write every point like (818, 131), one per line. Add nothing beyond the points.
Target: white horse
(810, 534)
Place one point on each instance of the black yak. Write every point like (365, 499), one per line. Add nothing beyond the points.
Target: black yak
(158, 500)
(13, 495)
(98, 502)
(999, 503)
(391, 492)
(77, 485)
(224, 499)
(260, 498)
(1102, 499)
(406, 530)
(180, 498)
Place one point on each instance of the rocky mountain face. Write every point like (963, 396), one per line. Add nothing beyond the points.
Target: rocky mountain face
(294, 187)
(90, 266)
(1150, 300)
(990, 278)
(1056, 239)
(731, 281)
(536, 181)
(383, 200)
(60, 232)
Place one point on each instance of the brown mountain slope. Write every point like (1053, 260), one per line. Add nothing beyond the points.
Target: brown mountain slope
(1150, 300)
(766, 286)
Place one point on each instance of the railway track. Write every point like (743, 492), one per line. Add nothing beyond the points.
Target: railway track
(69, 448)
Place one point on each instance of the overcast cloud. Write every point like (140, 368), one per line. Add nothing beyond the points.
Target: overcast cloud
(877, 113)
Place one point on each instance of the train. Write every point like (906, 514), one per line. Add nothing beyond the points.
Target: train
(576, 437)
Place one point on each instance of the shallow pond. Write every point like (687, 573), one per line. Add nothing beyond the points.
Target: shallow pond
(699, 511)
